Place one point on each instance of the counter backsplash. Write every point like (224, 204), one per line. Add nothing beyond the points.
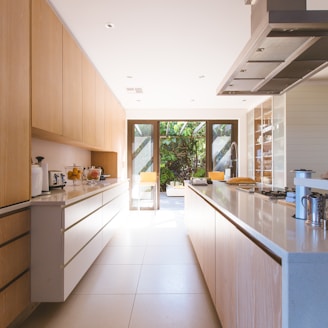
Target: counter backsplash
(59, 155)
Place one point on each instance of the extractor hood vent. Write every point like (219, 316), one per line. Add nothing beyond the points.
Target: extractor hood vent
(285, 48)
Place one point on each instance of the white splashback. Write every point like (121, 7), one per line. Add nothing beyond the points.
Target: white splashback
(59, 155)
(317, 5)
(306, 129)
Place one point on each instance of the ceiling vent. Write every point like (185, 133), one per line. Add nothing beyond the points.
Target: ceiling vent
(134, 90)
(288, 44)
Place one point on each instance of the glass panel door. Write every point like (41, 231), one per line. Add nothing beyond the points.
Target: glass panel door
(142, 157)
(223, 147)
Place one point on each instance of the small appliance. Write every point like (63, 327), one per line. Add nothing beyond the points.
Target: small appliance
(56, 179)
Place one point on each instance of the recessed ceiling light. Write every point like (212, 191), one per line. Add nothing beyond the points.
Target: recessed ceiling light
(109, 25)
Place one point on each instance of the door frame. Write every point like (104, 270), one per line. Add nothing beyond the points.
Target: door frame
(155, 123)
(130, 127)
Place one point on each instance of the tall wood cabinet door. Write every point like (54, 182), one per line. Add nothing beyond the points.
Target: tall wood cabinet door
(72, 88)
(100, 111)
(47, 77)
(14, 101)
(89, 101)
(114, 123)
(118, 127)
(109, 103)
(259, 286)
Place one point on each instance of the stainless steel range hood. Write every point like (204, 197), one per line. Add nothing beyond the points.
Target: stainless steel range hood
(288, 44)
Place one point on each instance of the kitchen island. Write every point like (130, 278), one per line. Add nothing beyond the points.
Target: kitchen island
(69, 229)
(263, 268)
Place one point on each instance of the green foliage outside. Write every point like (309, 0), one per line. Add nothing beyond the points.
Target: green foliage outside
(182, 151)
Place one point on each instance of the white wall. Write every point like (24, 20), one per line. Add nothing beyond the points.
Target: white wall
(307, 129)
(203, 114)
(316, 4)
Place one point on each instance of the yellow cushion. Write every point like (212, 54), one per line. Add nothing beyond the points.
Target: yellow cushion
(216, 175)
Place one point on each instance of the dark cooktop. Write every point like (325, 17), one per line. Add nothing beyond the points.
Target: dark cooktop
(271, 193)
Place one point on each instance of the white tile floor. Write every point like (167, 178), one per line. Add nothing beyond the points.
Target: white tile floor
(147, 276)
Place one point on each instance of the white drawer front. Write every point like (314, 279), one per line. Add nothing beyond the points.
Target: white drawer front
(79, 210)
(76, 269)
(77, 236)
(109, 211)
(113, 193)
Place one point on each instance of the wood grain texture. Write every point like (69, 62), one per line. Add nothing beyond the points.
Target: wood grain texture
(72, 88)
(14, 225)
(14, 300)
(14, 102)
(89, 101)
(47, 67)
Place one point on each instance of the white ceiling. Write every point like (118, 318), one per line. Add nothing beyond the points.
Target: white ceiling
(176, 51)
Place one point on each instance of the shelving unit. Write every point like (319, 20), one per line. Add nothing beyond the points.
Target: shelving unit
(266, 156)
(263, 143)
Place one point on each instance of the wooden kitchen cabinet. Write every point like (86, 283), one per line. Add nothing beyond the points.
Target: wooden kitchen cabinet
(47, 69)
(15, 263)
(71, 103)
(14, 102)
(72, 88)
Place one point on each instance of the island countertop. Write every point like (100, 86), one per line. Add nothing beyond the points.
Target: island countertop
(268, 221)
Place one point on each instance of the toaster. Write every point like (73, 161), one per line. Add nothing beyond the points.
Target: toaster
(56, 179)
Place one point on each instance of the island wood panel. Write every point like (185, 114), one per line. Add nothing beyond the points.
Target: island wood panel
(47, 69)
(201, 228)
(14, 102)
(208, 238)
(259, 286)
(89, 101)
(226, 300)
(72, 88)
(193, 214)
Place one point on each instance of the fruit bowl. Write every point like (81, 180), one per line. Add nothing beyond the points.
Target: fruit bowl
(92, 174)
(74, 175)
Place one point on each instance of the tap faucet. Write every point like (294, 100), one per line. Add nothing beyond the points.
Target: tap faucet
(234, 159)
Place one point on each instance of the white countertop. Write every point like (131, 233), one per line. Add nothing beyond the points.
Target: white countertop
(269, 222)
(72, 194)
